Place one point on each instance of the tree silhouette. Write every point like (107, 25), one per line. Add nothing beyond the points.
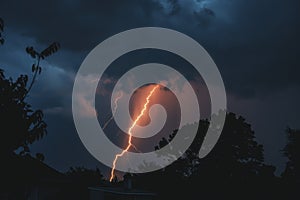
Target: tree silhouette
(236, 151)
(20, 125)
(234, 166)
(292, 152)
(237, 155)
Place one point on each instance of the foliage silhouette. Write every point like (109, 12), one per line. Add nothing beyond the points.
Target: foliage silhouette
(292, 152)
(36, 68)
(20, 125)
(234, 166)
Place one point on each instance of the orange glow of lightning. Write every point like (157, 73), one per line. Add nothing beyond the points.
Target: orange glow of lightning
(130, 134)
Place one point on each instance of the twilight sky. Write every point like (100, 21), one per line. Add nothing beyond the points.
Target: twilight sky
(255, 45)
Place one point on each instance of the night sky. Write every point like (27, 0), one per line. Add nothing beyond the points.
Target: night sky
(255, 45)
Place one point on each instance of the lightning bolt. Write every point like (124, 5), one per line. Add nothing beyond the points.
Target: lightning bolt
(112, 174)
(114, 110)
(113, 114)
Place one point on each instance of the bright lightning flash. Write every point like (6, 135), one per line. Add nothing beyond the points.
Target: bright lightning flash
(130, 134)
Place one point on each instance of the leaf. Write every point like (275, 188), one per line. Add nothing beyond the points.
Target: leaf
(1, 24)
(31, 52)
(33, 68)
(50, 50)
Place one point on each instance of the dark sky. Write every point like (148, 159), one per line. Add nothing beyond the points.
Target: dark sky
(254, 43)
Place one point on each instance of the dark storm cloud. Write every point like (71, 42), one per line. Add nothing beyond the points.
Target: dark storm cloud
(76, 24)
(262, 46)
(254, 43)
(80, 25)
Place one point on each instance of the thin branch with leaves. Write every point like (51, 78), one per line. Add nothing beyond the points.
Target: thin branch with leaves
(36, 68)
